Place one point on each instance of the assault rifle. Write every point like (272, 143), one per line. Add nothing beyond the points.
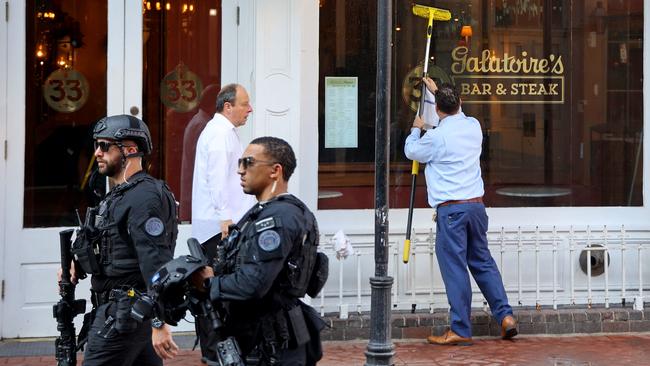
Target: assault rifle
(226, 252)
(202, 306)
(227, 350)
(173, 295)
(67, 308)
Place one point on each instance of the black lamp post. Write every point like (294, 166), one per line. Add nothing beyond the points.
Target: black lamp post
(380, 349)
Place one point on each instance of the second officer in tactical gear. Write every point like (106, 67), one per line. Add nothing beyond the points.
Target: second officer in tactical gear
(122, 243)
(273, 258)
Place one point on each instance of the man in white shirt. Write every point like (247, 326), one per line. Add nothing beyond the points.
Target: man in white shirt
(218, 199)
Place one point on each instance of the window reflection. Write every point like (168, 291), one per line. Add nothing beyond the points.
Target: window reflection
(65, 95)
(182, 76)
(556, 85)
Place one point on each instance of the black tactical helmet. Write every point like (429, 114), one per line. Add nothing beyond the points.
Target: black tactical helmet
(171, 287)
(124, 127)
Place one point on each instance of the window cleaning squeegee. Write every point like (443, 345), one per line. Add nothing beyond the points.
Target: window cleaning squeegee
(441, 15)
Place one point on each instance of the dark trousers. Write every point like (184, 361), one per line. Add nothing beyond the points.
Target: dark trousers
(208, 338)
(108, 347)
(461, 242)
(292, 357)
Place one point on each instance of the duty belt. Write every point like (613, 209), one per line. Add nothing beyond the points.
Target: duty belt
(100, 298)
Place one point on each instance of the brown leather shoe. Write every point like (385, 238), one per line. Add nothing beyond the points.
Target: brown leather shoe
(508, 327)
(449, 338)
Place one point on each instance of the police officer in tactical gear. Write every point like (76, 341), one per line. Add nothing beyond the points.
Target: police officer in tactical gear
(274, 248)
(123, 242)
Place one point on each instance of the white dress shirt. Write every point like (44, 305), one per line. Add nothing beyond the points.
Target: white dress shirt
(216, 191)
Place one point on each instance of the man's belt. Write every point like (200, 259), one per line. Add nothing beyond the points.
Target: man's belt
(456, 202)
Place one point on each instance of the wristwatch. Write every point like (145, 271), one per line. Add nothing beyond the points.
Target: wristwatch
(157, 323)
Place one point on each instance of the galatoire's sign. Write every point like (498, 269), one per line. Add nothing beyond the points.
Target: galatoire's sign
(519, 79)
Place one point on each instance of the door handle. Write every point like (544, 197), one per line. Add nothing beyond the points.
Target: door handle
(134, 110)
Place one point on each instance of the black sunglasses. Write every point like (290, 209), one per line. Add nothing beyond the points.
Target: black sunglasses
(104, 146)
(249, 161)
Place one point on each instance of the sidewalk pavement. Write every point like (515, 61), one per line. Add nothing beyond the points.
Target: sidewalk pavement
(592, 350)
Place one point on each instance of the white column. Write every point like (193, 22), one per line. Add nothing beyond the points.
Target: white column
(115, 59)
(4, 45)
(281, 39)
(133, 67)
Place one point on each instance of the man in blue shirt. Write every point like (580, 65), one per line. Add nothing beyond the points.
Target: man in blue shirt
(451, 153)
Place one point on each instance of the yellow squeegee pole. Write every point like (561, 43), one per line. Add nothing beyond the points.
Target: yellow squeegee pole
(431, 14)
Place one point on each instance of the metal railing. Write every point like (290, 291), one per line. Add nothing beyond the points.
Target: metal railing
(540, 267)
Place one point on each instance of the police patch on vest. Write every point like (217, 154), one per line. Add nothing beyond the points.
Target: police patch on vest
(269, 240)
(154, 226)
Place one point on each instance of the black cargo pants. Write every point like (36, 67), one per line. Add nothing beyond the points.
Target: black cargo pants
(107, 346)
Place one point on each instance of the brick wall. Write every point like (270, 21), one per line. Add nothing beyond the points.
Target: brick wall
(546, 321)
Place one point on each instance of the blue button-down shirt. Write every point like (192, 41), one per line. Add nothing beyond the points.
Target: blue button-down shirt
(451, 153)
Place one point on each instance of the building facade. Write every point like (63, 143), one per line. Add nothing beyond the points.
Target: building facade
(556, 84)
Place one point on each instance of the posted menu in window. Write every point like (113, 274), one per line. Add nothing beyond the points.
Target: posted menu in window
(341, 114)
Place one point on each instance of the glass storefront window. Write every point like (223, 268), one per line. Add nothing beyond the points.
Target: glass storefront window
(556, 85)
(65, 95)
(182, 76)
